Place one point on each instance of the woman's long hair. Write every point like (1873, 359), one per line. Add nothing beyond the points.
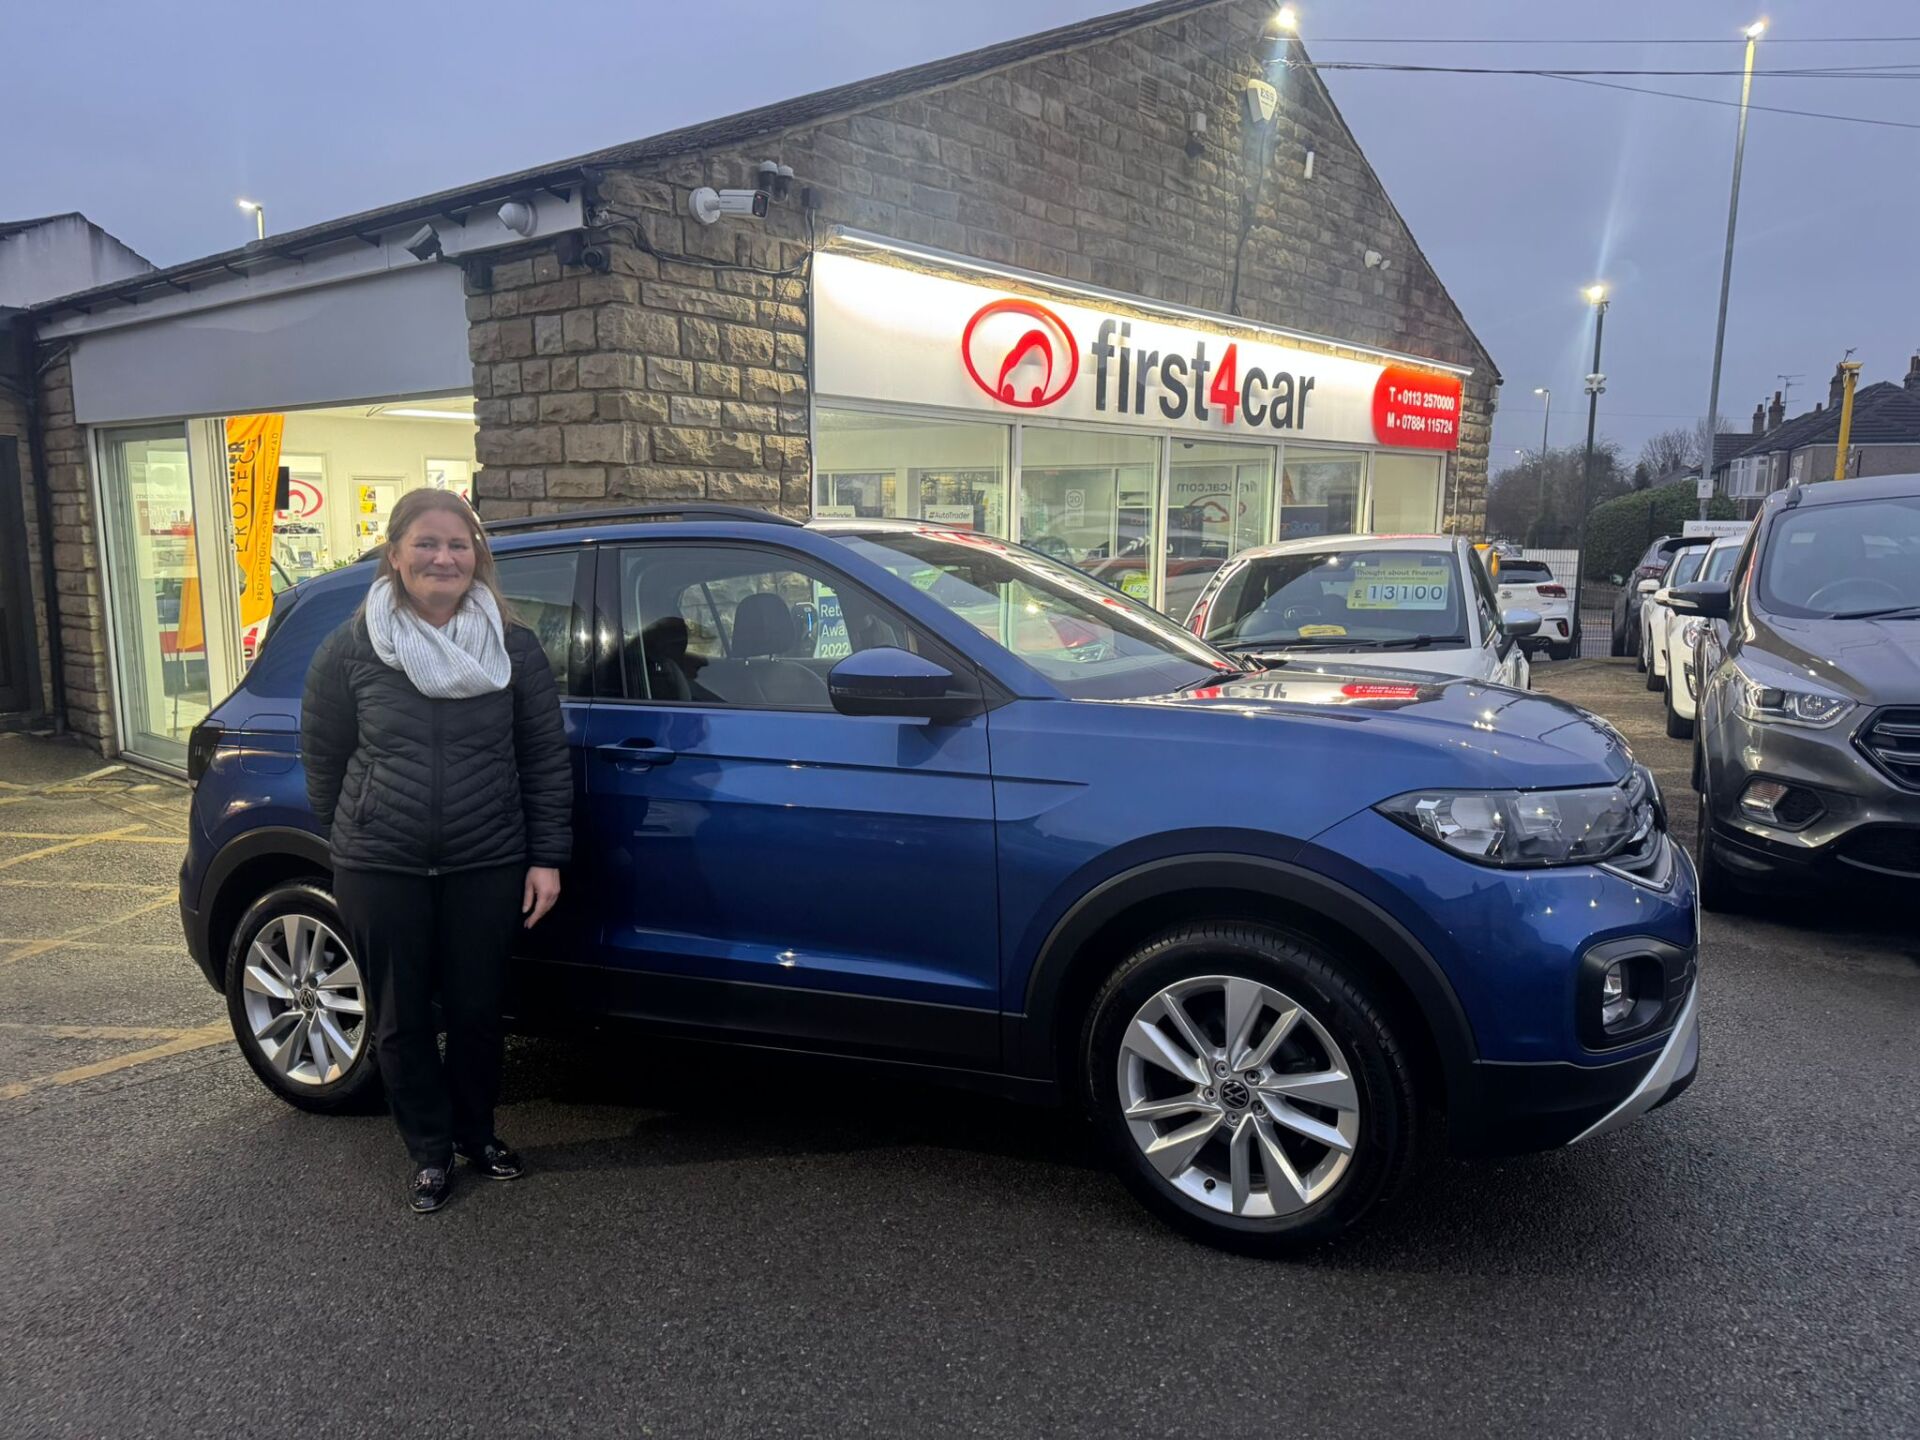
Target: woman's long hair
(410, 508)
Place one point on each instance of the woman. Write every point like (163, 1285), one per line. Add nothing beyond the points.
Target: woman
(437, 767)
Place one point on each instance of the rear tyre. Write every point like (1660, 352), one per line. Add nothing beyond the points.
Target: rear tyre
(1563, 652)
(1720, 893)
(1251, 1092)
(1646, 661)
(299, 1004)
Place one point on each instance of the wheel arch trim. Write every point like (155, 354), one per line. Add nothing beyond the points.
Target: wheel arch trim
(1028, 1041)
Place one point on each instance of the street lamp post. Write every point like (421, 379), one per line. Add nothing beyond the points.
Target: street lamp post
(1540, 504)
(259, 213)
(1596, 387)
(1753, 33)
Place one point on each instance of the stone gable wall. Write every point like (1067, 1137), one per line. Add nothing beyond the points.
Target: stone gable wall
(680, 378)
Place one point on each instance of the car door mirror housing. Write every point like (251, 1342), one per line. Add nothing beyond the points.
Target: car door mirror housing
(890, 681)
(1518, 624)
(1647, 587)
(1711, 599)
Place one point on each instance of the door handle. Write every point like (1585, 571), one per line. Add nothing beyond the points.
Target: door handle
(635, 755)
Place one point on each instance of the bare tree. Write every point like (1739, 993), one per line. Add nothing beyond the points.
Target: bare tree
(1671, 451)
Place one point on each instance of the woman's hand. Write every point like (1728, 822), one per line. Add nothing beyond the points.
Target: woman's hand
(541, 894)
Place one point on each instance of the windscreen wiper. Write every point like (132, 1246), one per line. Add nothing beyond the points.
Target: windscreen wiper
(1887, 612)
(1407, 642)
(1218, 677)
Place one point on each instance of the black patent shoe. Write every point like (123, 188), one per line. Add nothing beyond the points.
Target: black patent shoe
(429, 1188)
(493, 1160)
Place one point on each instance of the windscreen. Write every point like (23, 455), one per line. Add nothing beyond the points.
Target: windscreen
(1856, 558)
(1341, 600)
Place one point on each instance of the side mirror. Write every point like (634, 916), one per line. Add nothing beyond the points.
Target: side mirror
(1646, 587)
(1709, 599)
(1519, 624)
(889, 681)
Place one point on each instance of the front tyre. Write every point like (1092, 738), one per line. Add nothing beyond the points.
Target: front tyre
(1720, 893)
(1250, 1090)
(299, 1004)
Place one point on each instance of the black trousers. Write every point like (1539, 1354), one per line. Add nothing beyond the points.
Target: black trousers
(415, 936)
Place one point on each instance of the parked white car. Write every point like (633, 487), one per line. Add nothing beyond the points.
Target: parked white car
(1655, 613)
(1530, 583)
(1683, 640)
(1415, 602)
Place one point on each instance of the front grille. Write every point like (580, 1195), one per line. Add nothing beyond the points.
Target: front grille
(1892, 849)
(1892, 742)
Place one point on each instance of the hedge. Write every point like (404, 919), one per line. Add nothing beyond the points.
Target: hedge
(1619, 531)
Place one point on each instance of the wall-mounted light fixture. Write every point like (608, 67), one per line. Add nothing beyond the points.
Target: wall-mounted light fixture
(1196, 134)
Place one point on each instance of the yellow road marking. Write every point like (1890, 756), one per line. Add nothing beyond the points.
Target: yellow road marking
(182, 1043)
(12, 884)
(70, 842)
(62, 942)
(94, 1032)
(41, 947)
(122, 836)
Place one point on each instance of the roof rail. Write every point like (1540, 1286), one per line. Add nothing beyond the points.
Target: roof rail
(634, 513)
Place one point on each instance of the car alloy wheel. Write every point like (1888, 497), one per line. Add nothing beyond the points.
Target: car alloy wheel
(1238, 1096)
(304, 999)
(300, 1004)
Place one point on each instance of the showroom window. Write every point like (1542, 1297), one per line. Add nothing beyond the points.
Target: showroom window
(1320, 492)
(1220, 500)
(1406, 494)
(873, 465)
(1088, 497)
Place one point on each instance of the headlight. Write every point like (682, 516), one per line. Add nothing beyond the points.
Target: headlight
(1690, 633)
(1759, 701)
(1527, 829)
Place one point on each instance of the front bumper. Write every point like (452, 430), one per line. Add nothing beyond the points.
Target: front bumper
(1514, 1108)
(1866, 826)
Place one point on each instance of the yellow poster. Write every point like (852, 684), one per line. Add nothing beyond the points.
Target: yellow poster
(253, 463)
(190, 634)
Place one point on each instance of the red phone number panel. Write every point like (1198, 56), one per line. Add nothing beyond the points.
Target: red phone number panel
(1417, 408)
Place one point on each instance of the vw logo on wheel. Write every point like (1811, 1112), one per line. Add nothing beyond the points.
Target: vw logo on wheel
(1020, 353)
(1236, 1095)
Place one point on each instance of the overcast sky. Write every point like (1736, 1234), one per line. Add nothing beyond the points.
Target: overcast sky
(1519, 189)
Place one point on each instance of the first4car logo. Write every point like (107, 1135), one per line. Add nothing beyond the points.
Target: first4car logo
(1020, 353)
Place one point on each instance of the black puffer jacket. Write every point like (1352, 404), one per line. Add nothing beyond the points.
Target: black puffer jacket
(401, 782)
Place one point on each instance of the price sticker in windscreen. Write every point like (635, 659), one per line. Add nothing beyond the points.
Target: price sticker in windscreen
(1400, 587)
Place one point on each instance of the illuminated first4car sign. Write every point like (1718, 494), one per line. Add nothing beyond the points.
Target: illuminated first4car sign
(891, 334)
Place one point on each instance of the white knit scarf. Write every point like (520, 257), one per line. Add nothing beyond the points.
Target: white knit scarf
(465, 657)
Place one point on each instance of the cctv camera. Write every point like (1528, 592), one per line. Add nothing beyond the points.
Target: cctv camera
(707, 205)
(776, 179)
(519, 217)
(424, 243)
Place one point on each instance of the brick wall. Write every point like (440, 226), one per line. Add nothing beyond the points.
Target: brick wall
(670, 379)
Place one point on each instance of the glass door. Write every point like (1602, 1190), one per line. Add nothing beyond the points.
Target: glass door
(1087, 497)
(153, 575)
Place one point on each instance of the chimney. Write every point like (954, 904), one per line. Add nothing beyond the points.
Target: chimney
(1776, 412)
(1913, 376)
(1760, 419)
(1837, 387)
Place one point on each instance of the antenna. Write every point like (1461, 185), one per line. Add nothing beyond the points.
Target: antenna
(1787, 382)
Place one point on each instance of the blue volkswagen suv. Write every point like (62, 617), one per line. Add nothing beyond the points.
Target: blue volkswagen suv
(913, 795)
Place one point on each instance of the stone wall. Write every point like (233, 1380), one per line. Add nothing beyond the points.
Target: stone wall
(76, 562)
(682, 373)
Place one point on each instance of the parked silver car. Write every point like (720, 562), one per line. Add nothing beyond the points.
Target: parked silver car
(1418, 602)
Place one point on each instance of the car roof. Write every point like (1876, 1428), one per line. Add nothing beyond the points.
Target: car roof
(1839, 492)
(1349, 542)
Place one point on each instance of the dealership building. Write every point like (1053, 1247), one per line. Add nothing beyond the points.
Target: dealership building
(1127, 292)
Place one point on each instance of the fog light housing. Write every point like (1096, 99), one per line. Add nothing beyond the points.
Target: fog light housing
(1786, 807)
(1616, 995)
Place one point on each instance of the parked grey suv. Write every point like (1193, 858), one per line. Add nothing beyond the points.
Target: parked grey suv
(1807, 746)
